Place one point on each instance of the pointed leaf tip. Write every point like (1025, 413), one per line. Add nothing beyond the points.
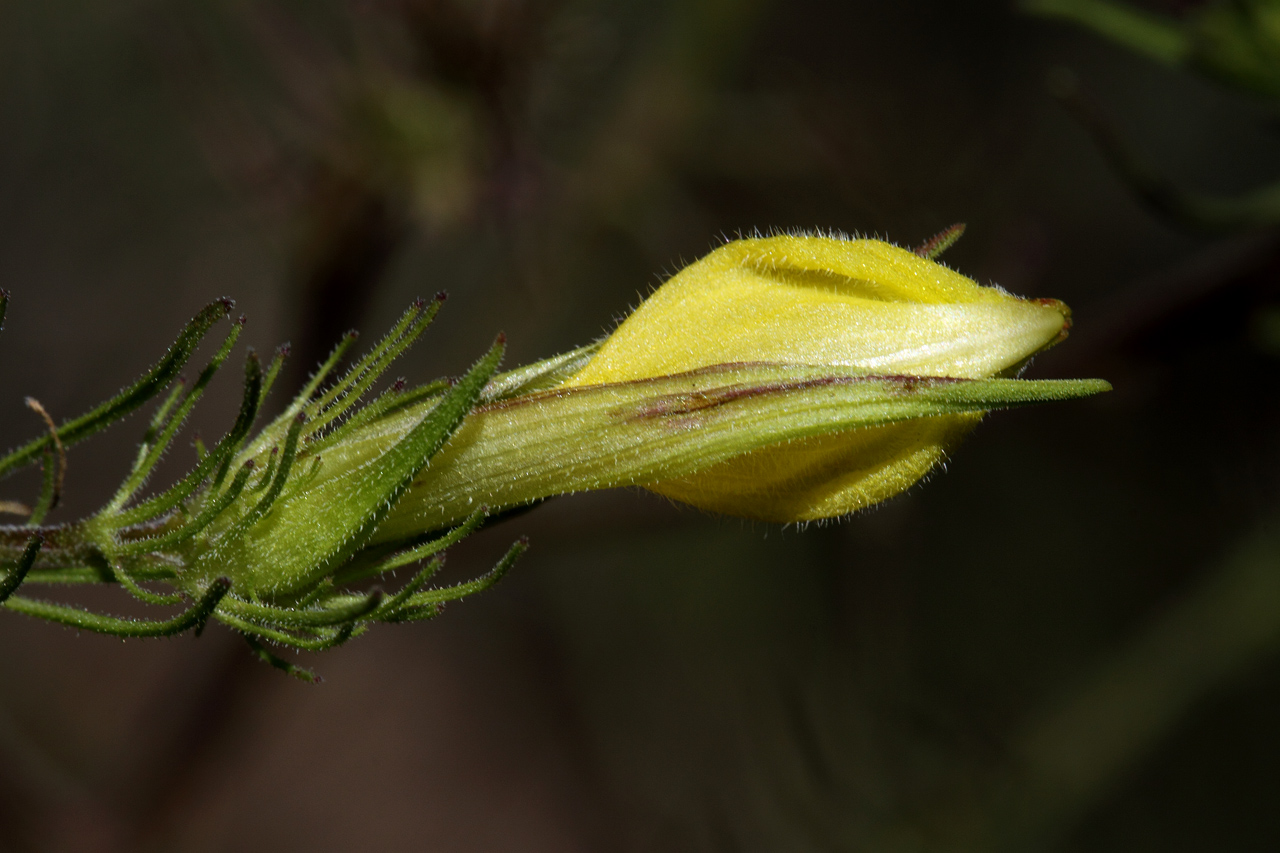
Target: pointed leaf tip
(940, 242)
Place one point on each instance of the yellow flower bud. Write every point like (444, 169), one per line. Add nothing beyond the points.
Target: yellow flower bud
(784, 379)
(861, 304)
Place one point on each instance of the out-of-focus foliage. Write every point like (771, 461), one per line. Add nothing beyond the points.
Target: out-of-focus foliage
(1235, 42)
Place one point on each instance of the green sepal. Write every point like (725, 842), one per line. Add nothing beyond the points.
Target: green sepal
(215, 462)
(632, 433)
(214, 507)
(540, 375)
(360, 568)
(314, 531)
(153, 448)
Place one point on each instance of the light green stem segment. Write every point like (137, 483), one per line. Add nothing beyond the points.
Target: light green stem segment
(633, 433)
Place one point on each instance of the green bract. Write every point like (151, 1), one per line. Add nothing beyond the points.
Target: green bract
(194, 537)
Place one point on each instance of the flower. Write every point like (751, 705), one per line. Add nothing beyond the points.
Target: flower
(784, 379)
(861, 304)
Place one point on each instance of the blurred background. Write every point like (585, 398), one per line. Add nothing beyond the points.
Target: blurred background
(1068, 640)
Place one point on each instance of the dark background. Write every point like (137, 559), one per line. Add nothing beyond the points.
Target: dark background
(1067, 641)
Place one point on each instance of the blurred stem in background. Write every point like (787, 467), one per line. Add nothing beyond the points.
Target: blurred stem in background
(1073, 757)
(1076, 755)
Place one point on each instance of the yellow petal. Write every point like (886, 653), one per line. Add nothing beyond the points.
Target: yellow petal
(825, 476)
(873, 306)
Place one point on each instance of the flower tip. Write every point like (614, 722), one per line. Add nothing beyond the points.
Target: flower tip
(501, 340)
(940, 242)
(1058, 305)
(1063, 309)
(227, 304)
(441, 296)
(284, 349)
